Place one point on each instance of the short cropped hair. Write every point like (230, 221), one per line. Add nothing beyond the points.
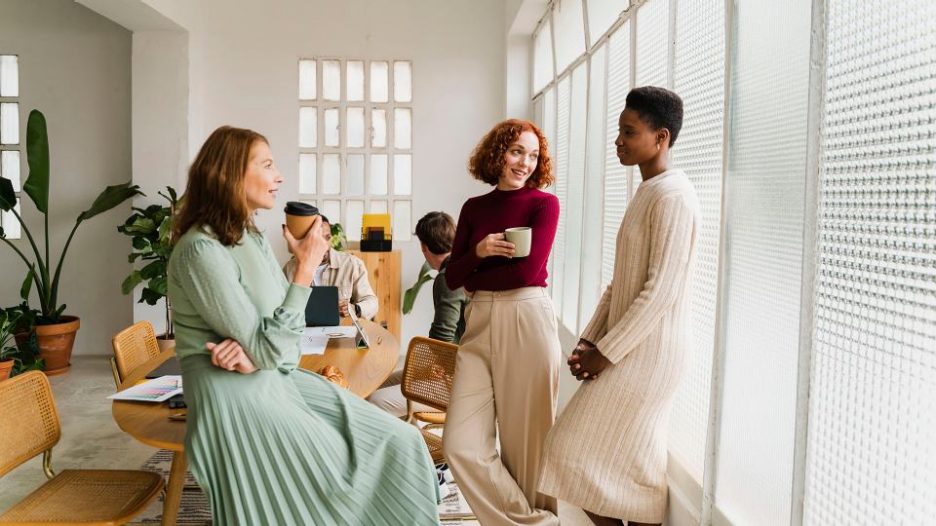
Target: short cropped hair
(487, 159)
(436, 230)
(658, 107)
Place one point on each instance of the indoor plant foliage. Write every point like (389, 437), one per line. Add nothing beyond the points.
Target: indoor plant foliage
(17, 357)
(150, 229)
(39, 265)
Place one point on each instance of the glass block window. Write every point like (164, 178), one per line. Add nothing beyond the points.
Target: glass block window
(871, 454)
(765, 207)
(652, 44)
(356, 140)
(569, 32)
(561, 186)
(616, 176)
(602, 14)
(542, 56)
(699, 78)
(10, 140)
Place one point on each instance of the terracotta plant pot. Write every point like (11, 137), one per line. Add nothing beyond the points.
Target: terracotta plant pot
(6, 367)
(55, 344)
(165, 344)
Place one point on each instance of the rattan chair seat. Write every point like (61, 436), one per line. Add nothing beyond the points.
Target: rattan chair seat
(434, 443)
(87, 497)
(430, 417)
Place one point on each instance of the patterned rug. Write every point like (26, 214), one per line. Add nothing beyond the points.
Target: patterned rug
(195, 509)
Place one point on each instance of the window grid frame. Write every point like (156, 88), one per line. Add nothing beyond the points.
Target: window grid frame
(15, 147)
(368, 150)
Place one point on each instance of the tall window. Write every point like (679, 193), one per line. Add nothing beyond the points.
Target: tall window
(356, 140)
(871, 455)
(808, 396)
(10, 150)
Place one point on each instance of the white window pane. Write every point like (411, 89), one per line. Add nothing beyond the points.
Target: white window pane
(331, 209)
(379, 82)
(402, 226)
(615, 175)
(602, 14)
(870, 453)
(575, 192)
(9, 76)
(332, 125)
(308, 127)
(378, 128)
(9, 123)
(331, 174)
(402, 81)
(307, 79)
(698, 77)
(11, 227)
(10, 167)
(355, 127)
(542, 57)
(569, 32)
(354, 180)
(378, 207)
(352, 225)
(331, 80)
(307, 173)
(355, 80)
(402, 174)
(590, 287)
(652, 44)
(377, 183)
(764, 212)
(403, 128)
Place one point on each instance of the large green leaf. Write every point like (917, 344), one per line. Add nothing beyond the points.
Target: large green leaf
(37, 155)
(150, 296)
(7, 195)
(27, 283)
(409, 297)
(153, 270)
(131, 282)
(109, 198)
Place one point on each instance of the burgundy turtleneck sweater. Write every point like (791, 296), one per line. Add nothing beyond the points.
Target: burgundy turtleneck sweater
(495, 212)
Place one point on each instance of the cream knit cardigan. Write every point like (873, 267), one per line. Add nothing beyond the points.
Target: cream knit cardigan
(607, 451)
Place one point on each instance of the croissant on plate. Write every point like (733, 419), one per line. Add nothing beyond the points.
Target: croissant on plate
(334, 375)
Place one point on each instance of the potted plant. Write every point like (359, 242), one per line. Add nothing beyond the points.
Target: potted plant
(55, 331)
(338, 240)
(150, 229)
(19, 351)
(8, 322)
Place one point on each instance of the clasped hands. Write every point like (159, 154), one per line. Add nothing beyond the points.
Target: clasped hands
(229, 355)
(587, 362)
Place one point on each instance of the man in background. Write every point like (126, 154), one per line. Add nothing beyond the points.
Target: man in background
(436, 232)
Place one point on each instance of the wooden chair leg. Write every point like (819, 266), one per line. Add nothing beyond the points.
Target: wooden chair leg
(174, 489)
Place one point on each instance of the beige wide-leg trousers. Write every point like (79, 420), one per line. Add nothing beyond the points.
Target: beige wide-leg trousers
(506, 381)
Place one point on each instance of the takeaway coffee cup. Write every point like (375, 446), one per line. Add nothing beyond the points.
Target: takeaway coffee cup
(520, 237)
(299, 218)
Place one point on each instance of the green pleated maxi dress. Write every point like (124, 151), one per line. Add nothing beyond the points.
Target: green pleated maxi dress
(281, 445)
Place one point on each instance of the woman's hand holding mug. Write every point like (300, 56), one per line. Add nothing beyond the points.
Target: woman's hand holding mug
(494, 245)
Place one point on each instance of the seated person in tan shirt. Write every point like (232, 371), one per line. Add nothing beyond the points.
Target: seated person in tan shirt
(348, 273)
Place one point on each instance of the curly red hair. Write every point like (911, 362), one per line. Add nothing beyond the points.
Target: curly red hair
(487, 159)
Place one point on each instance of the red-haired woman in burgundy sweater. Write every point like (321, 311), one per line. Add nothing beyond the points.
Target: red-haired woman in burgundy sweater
(506, 377)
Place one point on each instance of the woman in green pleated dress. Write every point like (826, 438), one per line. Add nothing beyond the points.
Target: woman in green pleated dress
(270, 443)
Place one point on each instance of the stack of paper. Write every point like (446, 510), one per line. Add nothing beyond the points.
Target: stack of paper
(155, 390)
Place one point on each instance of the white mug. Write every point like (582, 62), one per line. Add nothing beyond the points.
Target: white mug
(521, 237)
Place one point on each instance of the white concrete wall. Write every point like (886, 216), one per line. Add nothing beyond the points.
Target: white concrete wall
(243, 71)
(75, 68)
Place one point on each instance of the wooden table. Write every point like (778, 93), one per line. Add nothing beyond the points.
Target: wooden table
(149, 423)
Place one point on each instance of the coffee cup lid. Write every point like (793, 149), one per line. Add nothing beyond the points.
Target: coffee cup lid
(298, 208)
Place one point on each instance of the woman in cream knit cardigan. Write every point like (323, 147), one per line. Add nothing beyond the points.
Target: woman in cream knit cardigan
(607, 451)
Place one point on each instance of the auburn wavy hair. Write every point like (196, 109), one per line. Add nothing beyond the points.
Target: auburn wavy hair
(215, 195)
(487, 159)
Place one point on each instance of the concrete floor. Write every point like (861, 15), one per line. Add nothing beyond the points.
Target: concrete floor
(91, 439)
